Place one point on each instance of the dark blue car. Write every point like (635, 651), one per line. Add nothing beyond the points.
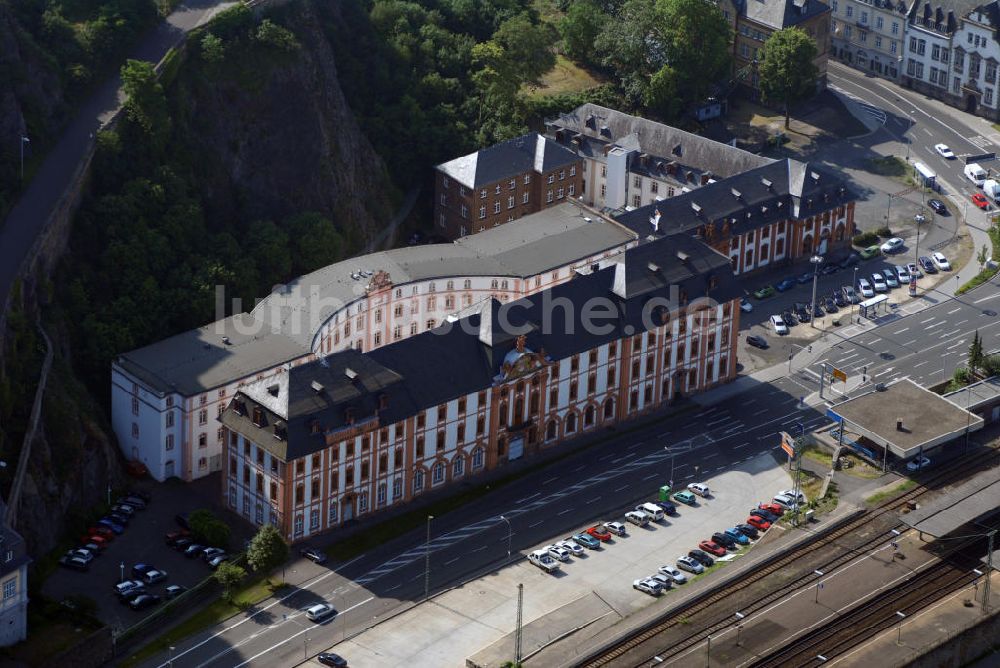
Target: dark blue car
(785, 284)
(668, 508)
(114, 526)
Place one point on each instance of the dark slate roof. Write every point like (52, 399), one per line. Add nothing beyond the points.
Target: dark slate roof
(468, 355)
(599, 126)
(778, 14)
(785, 189)
(12, 545)
(530, 152)
(941, 16)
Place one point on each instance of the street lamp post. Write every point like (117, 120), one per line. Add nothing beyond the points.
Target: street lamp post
(739, 626)
(816, 260)
(427, 559)
(509, 534)
(899, 629)
(672, 455)
(819, 585)
(708, 653)
(854, 287)
(121, 569)
(24, 140)
(171, 661)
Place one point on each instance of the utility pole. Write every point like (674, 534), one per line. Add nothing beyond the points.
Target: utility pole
(816, 260)
(24, 140)
(989, 571)
(517, 633)
(797, 461)
(427, 559)
(509, 534)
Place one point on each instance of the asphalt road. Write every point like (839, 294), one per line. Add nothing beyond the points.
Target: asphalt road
(28, 217)
(604, 481)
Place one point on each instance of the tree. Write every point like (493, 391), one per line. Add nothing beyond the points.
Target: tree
(145, 103)
(625, 47)
(267, 550)
(527, 47)
(983, 257)
(229, 576)
(580, 27)
(208, 529)
(787, 71)
(975, 353)
(695, 39)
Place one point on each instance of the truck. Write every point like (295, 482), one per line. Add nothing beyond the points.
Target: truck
(992, 190)
(544, 560)
(976, 174)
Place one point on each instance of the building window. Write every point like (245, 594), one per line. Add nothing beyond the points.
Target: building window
(482, 212)
(477, 459)
(380, 499)
(418, 481)
(438, 473)
(333, 513)
(363, 502)
(988, 96)
(203, 417)
(9, 588)
(202, 440)
(170, 442)
(496, 206)
(571, 423)
(548, 196)
(135, 406)
(397, 488)
(510, 202)
(524, 198)
(135, 430)
(458, 468)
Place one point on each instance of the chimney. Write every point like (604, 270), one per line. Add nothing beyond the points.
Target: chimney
(899, 424)
(591, 122)
(654, 220)
(316, 386)
(273, 389)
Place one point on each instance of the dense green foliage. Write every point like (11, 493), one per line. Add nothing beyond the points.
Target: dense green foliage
(267, 550)
(208, 529)
(229, 576)
(787, 70)
(146, 259)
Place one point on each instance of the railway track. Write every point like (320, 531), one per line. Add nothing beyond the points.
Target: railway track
(638, 647)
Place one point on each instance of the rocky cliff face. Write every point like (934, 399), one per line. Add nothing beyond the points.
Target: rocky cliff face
(278, 137)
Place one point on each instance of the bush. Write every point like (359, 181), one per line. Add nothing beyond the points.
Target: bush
(208, 529)
(865, 239)
(884, 232)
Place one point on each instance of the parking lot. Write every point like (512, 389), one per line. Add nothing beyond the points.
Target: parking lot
(594, 589)
(143, 542)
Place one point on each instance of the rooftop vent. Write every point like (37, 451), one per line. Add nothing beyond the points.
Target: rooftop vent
(682, 256)
(258, 418)
(280, 431)
(696, 207)
(225, 339)
(240, 407)
(350, 373)
(605, 130)
(736, 193)
(814, 175)
(316, 386)
(273, 389)
(766, 183)
(652, 266)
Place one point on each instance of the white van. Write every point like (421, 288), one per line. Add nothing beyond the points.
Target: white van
(637, 517)
(976, 174)
(651, 509)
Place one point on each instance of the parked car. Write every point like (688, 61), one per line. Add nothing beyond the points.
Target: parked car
(143, 495)
(331, 659)
(74, 563)
(132, 500)
(673, 574)
(890, 278)
(927, 265)
(181, 544)
(941, 261)
(748, 531)
(544, 561)
(313, 554)
(140, 570)
(572, 546)
(154, 576)
(725, 541)
(648, 586)
(586, 540)
(764, 292)
(829, 305)
(119, 519)
(745, 305)
(772, 508)
(172, 537)
(789, 318)
(870, 252)
(914, 270)
(938, 206)
(893, 245)
(802, 312)
(865, 288)
(193, 550)
(637, 517)
(558, 552)
(878, 282)
(786, 502)
(210, 552)
(214, 562)
(839, 299)
(699, 488)
(849, 294)
(764, 515)
(918, 463)
(687, 498)
(126, 586)
(849, 261)
(980, 200)
(712, 548)
(143, 601)
(757, 341)
(805, 278)
(173, 591)
(83, 553)
(123, 509)
(600, 533)
(902, 274)
(668, 508)
(99, 541)
(617, 528)
(793, 494)
(92, 547)
(738, 536)
(779, 325)
(320, 611)
(944, 151)
(702, 557)
(111, 524)
(690, 565)
(829, 268)
(758, 523)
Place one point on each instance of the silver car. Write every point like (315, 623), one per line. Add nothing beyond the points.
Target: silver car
(673, 574)
(573, 548)
(690, 565)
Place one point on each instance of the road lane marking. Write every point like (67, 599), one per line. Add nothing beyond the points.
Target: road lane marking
(955, 310)
(650, 477)
(546, 482)
(741, 445)
(623, 487)
(592, 500)
(917, 366)
(532, 526)
(978, 301)
(563, 512)
(928, 319)
(449, 563)
(531, 496)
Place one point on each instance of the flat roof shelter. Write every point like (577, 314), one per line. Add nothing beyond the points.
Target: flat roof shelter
(904, 418)
(877, 305)
(974, 499)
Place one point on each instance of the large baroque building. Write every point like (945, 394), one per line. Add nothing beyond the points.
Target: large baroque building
(870, 34)
(502, 183)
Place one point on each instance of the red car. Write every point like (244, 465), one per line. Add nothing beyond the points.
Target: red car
(758, 523)
(980, 200)
(772, 508)
(99, 541)
(712, 547)
(600, 533)
(104, 532)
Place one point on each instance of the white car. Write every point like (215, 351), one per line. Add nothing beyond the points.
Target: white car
(918, 463)
(673, 574)
(574, 549)
(85, 555)
(892, 246)
(648, 586)
(543, 560)
(699, 488)
(786, 502)
(865, 288)
(690, 565)
(154, 576)
(878, 281)
(745, 305)
(317, 613)
(941, 261)
(779, 325)
(902, 274)
(617, 528)
(944, 151)
(914, 270)
(559, 552)
(790, 493)
(637, 517)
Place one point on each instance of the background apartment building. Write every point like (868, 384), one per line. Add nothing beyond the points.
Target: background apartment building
(502, 183)
(870, 34)
(358, 432)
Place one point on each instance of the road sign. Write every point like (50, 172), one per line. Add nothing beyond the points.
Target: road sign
(979, 157)
(788, 443)
(838, 374)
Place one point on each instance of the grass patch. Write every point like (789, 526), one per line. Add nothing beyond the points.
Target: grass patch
(565, 77)
(219, 610)
(977, 280)
(896, 490)
(47, 642)
(859, 468)
(888, 165)
(818, 455)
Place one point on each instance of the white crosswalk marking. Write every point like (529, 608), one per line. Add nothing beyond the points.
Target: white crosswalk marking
(980, 141)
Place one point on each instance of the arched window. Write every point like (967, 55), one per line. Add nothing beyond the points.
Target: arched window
(609, 408)
(438, 473)
(477, 459)
(550, 430)
(588, 416)
(571, 423)
(458, 468)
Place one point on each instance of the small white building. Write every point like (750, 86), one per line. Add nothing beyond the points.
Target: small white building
(14, 562)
